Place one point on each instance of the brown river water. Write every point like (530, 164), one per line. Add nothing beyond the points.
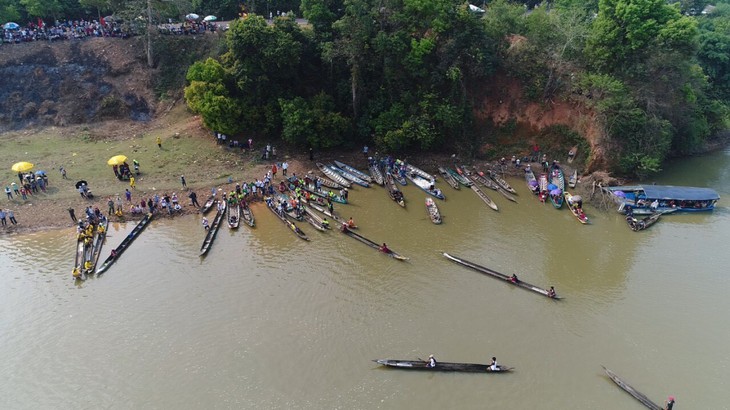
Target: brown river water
(268, 321)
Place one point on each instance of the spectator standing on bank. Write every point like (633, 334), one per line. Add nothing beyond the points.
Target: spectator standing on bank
(159, 142)
(3, 221)
(63, 172)
(128, 195)
(182, 180)
(194, 199)
(8, 192)
(72, 214)
(11, 216)
(284, 167)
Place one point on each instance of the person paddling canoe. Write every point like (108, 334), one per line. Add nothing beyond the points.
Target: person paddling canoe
(431, 362)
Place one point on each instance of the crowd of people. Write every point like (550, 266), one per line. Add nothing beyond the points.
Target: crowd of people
(64, 30)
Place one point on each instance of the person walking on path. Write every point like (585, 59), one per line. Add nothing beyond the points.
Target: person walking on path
(128, 195)
(159, 142)
(11, 216)
(63, 172)
(284, 167)
(131, 183)
(8, 192)
(182, 180)
(72, 214)
(136, 166)
(15, 188)
(274, 169)
(2, 218)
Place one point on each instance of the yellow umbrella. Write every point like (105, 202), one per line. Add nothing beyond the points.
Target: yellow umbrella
(22, 166)
(117, 160)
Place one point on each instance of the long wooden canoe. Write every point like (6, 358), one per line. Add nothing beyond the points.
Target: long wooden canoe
(350, 176)
(247, 215)
(426, 185)
(208, 205)
(641, 224)
(448, 178)
(314, 217)
(331, 174)
(411, 169)
(234, 216)
(531, 181)
(487, 200)
(482, 178)
(393, 191)
(501, 182)
(398, 176)
(78, 269)
(326, 182)
(325, 212)
(312, 190)
(213, 230)
(573, 179)
(442, 366)
(433, 211)
(582, 218)
(354, 171)
(298, 232)
(372, 244)
(630, 390)
(124, 245)
(375, 173)
(501, 276)
(460, 177)
(99, 238)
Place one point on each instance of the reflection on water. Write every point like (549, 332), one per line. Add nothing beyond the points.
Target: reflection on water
(267, 320)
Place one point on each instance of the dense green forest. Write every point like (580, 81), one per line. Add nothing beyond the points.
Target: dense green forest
(408, 74)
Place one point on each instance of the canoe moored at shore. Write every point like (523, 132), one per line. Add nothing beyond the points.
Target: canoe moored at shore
(448, 178)
(531, 181)
(393, 191)
(397, 175)
(117, 252)
(326, 182)
(459, 176)
(247, 215)
(573, 179)
(501, 276)
(375, 172)
(501, 182)
(208, 205)
(372, 244)
(426, 186)
(557, 179)
(99, 237)
(433, 211)
(298, 232)
(81, 246)
(421, 173)
(234, 216)
(213, 229)
(331, 174)
(641, 224)
(362, 175)
(349, 176)
(480, 177)
(667, 197)
(630, 390)
(442, 366)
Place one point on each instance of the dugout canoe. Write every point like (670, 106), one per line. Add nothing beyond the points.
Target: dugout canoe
(630, 390)
(397, 176)
(325, 181)
(501, 182)
(208, 205)
(213, 229)
(637, 225)
(78, 270)
(124, 245)
(349, 176)
(99, 238)
(354, 171)
(482, 178)
(411, 169)
(393, 191)
(448, 178)
(372, 244)
(325, 212)
(573, 179)
(375, 173)
(433, 211)
(442, 366)
(426, 185)
(298, 232)
(520, 284)
(531, 181)
(315, 217)
(247, 215)
(459, 176)
(331, 174)
(233, 216)
(575, 211)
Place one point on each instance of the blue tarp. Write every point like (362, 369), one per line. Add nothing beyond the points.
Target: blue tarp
(679, 193)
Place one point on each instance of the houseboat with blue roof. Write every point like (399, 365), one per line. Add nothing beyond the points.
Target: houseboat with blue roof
(646, 199)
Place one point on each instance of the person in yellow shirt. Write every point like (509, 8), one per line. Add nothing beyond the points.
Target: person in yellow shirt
(159, 142)
(131, 182)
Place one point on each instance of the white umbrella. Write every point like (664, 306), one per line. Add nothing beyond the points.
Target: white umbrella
(210, 18)
(192, 16)
(11, 26)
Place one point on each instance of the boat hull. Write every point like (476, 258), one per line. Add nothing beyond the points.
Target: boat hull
(441, 366)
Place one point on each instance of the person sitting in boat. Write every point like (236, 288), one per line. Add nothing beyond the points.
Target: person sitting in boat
(206, 224)
(76, 272)
(437, 192)
(114, 253)
(494, 366)
(351, 223)
(514, 279)
(384, 248)
(325, 223)
(431, 362)
(551, 292)
(344, 227)
(233, 219)
(654, 205)
(282, 187)
(669, 404)
(87, 265)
